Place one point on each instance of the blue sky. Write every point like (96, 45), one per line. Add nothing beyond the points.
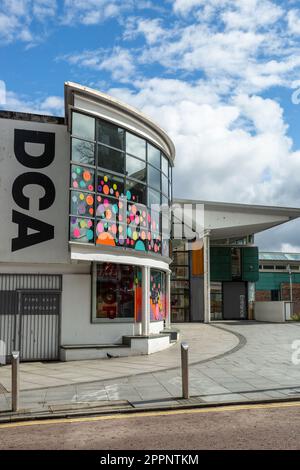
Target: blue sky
(221, 76)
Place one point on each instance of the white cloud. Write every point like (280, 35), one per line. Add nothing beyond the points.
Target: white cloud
(151, 29)
(17, 18)
(118, 61)
(293, 18)
(251, 14)
(217, 157)
(91, 12)
(51, 105)
(185, 6)
(44, 9)
(288, 248)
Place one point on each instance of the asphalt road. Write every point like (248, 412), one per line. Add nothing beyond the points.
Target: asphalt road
(268, 426)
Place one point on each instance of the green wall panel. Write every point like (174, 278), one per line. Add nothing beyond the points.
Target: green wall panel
(220, 264)
(250, 264)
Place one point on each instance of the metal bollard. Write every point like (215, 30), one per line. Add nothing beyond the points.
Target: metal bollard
(185, 370)
(15, 384)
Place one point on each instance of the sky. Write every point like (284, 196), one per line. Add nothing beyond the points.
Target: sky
(222, 77)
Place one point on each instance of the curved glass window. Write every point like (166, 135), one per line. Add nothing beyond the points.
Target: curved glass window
(83, 126)
(82, 178)
(153, 156)
(117, 182)
(81, 229)
(136, 192)
(153, 197)
(135, 146)
(153, 177)
(110, 159)
(164, 185)
(111, 135)
(135, 168)
(82, 203)
(164, 165)
(83, 152)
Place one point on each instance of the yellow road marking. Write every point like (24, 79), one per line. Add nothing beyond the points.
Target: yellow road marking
(212, 409)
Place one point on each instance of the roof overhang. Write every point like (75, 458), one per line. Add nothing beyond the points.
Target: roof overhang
(231, 220)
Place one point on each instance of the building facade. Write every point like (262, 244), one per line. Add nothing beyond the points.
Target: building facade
(85, 252)
(84, 262)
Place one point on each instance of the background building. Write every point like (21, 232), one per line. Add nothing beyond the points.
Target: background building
(279, 278)
(215, 279)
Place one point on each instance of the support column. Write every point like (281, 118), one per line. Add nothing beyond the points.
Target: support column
(168, 299)
(146, 300)
(206, 277)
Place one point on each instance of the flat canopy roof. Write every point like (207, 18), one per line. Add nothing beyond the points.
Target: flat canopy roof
(278, 256)
(232, 220)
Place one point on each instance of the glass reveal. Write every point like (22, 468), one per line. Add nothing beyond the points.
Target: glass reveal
(135, 168)
(164, 165)
(136, 192)
(83, 152)
(136, 146)
(83, 126)
(154, 177)
(164, 185)
(110, 159)
(153, 156)
(111, 135)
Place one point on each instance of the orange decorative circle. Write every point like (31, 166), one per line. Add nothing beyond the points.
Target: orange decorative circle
(86, 175)
(106, 189)
(89, 200)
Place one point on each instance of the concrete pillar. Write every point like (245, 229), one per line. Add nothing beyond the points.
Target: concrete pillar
(206, 277)
(168, 299)
(146, 300)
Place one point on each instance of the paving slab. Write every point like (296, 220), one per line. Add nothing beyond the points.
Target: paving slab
(254, 362)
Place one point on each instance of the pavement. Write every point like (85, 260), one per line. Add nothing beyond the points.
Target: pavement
(229, 362)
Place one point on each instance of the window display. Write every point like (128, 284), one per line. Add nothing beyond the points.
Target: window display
(158, 310)
(118, 292)
(109, 187)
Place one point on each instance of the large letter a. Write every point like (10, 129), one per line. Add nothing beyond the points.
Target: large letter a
(44, 231)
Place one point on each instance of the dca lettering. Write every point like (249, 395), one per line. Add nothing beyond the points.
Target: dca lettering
(43, 230)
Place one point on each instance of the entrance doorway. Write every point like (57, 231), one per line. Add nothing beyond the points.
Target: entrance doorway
(234, 301)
